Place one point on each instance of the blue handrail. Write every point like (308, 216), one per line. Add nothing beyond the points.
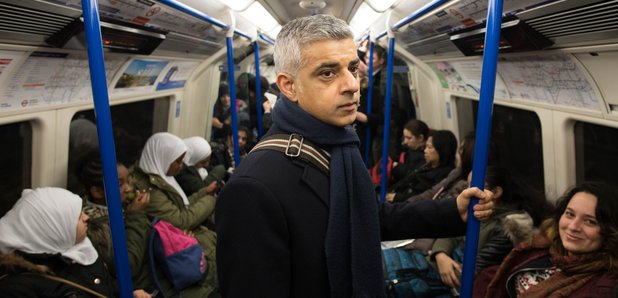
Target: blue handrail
(106, 145)
(243, 34)
(369, 103)
(481, 147)
(233, 107)
(258, 88)
(415, 15)
(387, 115)
(200, 15)
(266, 39)
(419, 13)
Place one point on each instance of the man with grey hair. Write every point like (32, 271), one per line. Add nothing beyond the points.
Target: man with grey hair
(288, 227)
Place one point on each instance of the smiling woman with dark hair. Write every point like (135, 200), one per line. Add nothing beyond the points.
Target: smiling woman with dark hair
(575, 255)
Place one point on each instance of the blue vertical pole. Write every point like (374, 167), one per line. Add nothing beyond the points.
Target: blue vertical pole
(481, 148)
(106, 145)
(387, 115)
(369, 95)
(258, 88)
(232, 82)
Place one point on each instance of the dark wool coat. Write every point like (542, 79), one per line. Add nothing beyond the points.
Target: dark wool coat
(22, 279)
(271, 220)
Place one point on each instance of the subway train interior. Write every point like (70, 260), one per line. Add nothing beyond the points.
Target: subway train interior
(555, 105)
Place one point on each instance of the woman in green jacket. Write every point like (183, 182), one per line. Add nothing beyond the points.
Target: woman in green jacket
(161, 159)
(138, 230)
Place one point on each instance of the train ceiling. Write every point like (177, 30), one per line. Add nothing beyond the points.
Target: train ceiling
(565, 22)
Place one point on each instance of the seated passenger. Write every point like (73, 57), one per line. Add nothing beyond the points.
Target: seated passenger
(160, 161)
(43, 239)
(457, 180)
(415, 134)
(138, 229)
(95, 205)
(440, 160)
(518, 210)
(194, 175)
(90, 174)
(223, 154)
(575, 255)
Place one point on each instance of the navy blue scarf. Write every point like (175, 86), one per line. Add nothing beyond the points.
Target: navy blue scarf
(352, 241)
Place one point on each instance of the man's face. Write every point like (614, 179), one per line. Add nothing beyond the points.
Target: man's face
(377, 61)
(325, 86)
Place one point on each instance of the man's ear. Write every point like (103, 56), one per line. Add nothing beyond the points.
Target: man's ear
(285, 82)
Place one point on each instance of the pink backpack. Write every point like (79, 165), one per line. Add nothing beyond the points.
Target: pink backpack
(180, 257)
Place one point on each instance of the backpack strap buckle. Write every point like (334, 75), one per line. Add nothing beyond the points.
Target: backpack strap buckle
(295, 145)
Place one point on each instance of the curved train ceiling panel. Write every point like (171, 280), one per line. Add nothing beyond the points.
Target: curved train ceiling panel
(153, 14)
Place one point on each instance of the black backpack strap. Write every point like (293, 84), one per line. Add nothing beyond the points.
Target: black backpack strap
(294, 145)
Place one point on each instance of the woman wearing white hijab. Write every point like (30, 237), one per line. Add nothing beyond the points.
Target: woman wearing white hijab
(194, 175)
(162, 159)
(43, 235)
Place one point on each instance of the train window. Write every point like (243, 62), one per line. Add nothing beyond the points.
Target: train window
(516, 135)
(16, 161)
(132, 125)
(596, 153)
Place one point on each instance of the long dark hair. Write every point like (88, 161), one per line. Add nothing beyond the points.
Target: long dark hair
(446, 145)
(466, 155)
(516, 195)
(418, 128)
(606, 215)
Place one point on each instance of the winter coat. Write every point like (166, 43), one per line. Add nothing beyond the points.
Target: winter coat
(601, 285)
(21, 276)
(497, 236)
(138, 228)
(412, 160)
(191, 182)
(167, 204)
(272, 218)
(449, 187)
(419, 180)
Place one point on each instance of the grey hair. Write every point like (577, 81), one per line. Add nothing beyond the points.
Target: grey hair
(302, 31)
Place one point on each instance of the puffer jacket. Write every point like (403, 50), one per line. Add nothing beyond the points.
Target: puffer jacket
(167, 204)
(138, 228)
